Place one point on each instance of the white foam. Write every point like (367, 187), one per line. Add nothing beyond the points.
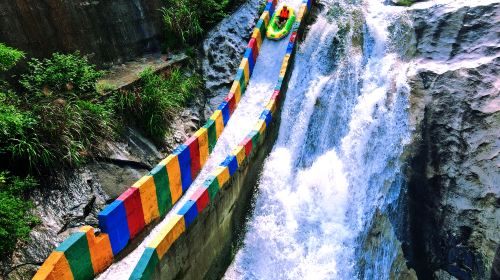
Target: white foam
(335, 160)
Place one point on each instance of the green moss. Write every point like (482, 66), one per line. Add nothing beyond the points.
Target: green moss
(406, 3)
(357, 32)
(335, 12)
(349, 20)
(402, 36)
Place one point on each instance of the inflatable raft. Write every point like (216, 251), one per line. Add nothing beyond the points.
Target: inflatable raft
(273, 31)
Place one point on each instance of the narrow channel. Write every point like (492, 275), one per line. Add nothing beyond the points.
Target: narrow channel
(258, 92)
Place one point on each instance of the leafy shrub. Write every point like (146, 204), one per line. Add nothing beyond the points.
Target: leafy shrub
(9, 57)
(15, 219)
(61, 73)
(181, 22)
(60, 127)
(211, 11)
(185, 20)
(157, 100)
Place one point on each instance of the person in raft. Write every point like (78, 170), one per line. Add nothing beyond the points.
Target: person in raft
(283, 17)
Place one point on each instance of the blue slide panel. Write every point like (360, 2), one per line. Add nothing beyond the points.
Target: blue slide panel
(224, 107)
(189, 211)
(249, 55)
(232, 164)
(289, 48)
(113, 221)
(267, 116)
(270, 8)
(184, 156)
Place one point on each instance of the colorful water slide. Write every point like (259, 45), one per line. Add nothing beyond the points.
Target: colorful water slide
(173, 194)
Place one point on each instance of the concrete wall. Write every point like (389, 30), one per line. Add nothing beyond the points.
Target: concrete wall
(198, 241)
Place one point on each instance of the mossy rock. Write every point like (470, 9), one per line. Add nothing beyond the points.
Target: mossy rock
(406, 3)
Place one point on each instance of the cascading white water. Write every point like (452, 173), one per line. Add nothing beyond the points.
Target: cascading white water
(336, 159)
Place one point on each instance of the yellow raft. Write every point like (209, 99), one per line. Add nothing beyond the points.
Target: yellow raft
(273, 31)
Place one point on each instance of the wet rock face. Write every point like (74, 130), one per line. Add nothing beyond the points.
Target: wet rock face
(112, 31)
(74, 198)
(454, 177)
(69, 200)
(381, 242)
(224, 47)
(456, 35)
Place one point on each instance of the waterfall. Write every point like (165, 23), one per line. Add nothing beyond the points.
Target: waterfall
(336, 165)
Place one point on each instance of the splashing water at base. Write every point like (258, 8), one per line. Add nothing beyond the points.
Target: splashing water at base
(336, 159)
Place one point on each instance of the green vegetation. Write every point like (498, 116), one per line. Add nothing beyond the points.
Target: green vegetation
(9, 57)
(103, 87)
(44, 134)
(155, 103)
(58, 114)
(15, 219)
(17, 131)
(54, 120)
(406, 3)
(187, 20)
(58, 120)
(62, 73)
(62, 113)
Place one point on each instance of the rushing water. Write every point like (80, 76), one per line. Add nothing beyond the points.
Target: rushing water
(335, 164)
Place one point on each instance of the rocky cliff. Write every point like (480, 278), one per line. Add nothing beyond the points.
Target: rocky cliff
(109, 31)
(223, 48)
(454, 174)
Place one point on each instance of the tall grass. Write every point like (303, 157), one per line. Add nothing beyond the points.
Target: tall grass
(58, 120)
(154, 105)
(186, 20)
